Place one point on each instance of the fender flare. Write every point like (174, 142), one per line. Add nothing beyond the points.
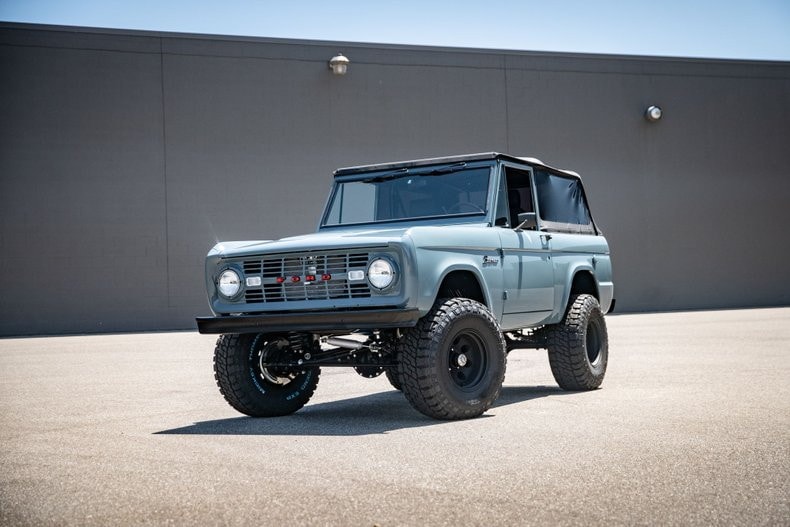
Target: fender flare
(465, 268)
(568, 280)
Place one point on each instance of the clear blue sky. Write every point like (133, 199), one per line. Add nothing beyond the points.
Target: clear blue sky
(756, 29)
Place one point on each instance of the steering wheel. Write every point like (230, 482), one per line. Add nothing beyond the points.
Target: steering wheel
(461, 204)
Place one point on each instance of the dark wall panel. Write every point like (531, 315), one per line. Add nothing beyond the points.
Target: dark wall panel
(124, 156)
(81, 191)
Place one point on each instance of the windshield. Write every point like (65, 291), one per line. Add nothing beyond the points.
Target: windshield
(399, 196)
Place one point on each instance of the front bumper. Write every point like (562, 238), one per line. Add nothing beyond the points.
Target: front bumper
(310, 321)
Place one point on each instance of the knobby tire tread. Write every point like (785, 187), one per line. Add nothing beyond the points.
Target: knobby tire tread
(417, 371)
(567, 345)
(231, 376)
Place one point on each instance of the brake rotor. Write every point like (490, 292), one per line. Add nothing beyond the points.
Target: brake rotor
(273, 352)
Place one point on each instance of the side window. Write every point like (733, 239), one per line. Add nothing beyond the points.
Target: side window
(562, 204)
(502, 218)
(519, 193)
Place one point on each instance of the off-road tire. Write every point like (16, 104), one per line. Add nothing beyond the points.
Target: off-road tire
(430, 371)
(579, 345)
(392, 377)
(241, 382)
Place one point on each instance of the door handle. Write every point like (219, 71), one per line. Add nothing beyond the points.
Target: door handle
(545, 237)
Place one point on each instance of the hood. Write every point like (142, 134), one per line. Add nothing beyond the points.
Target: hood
(320, 241)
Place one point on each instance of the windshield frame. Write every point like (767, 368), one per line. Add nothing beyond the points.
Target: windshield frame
(437, 170)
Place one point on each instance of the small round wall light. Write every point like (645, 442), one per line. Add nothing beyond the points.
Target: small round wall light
(339, 64)
(653, 113)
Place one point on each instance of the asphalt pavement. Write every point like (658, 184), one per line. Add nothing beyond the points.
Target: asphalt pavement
(691, 427)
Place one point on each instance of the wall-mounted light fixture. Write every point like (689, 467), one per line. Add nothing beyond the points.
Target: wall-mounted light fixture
(339, 64)
(653, 113)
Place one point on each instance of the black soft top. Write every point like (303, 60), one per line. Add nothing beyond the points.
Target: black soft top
(527, 161)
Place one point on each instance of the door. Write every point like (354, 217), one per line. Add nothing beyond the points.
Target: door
(528, 280)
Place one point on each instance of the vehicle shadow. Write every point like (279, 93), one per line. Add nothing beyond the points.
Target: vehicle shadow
(376, 413)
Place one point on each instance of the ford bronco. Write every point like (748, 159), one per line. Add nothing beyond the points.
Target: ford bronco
(429, 272)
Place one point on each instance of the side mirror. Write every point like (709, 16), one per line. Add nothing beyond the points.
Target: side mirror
(527, 221)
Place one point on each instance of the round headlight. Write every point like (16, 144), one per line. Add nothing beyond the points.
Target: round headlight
(229, 283)
(380, 273)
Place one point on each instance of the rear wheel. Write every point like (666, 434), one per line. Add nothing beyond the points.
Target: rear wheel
(392, 377)
(579, 345)
(243, 371)
(452, 363)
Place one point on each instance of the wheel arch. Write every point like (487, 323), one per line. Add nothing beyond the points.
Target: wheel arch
(462, 281)
(584, 283)
(581, 280)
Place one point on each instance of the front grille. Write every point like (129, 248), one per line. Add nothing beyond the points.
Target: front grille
(337, 265)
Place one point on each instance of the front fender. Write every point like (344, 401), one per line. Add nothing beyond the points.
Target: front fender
(439, 251)
(434, 267)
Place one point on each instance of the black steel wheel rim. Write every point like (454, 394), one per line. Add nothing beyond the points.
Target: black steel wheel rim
(468, 360)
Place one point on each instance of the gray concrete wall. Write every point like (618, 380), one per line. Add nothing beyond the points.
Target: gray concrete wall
(124, 156)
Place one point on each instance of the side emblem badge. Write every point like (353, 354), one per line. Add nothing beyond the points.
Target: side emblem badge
(490, 260)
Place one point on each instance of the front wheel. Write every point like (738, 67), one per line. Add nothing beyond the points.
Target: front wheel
(579, 345)
(452, 363)
(248, 381)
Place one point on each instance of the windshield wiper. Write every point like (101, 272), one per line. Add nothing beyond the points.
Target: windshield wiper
(386, 177)
(404, 171)
(444, 170)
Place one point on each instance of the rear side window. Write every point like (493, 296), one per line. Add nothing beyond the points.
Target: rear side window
(562, 204)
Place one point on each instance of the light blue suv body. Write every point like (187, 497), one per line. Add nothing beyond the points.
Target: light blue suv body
(525, 277)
